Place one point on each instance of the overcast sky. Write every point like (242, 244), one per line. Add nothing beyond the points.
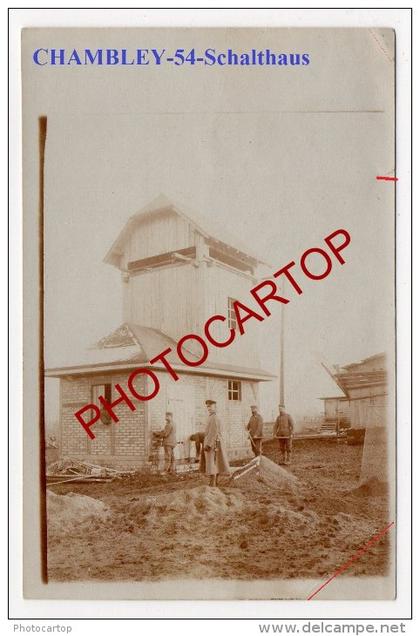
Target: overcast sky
(254, 148)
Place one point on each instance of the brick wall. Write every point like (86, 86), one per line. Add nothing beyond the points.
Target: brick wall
(234, 414)
(73, 438)
(196, 389)
(115, 444)
(127, 443)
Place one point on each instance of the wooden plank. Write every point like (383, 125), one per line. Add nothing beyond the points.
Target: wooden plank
(160, 259)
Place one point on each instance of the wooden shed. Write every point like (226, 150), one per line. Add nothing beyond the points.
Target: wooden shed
(365, 388)
(365, 384)
(336, 413)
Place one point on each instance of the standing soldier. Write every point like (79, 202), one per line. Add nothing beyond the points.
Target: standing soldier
(255, 430)
(168, 435)
(283, 430)
(213, 461)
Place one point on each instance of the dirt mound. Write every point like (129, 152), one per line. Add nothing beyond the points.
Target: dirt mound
(174, 528)
(262, 472)
(373, 487)
(191, 503)
(288, 518)
(67, 511)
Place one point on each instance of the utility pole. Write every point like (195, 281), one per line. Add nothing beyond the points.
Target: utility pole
(281, 387)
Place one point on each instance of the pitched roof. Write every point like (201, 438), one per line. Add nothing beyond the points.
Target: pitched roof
(378, 356)
(353, 376)
(208, 227)
(365, 379)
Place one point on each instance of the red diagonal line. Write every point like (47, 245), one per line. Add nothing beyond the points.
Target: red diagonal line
(354, 558)
(387, 178)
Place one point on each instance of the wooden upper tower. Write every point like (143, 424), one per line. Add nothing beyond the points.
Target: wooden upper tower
(177, 271)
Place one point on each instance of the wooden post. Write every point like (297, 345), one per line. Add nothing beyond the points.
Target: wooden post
(42, 130)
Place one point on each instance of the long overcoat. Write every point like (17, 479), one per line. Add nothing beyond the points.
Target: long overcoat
(214, 461)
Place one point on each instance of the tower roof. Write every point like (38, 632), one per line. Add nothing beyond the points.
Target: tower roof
(208, 227)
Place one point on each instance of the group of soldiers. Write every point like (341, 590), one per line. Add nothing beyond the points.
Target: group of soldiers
(210, 446)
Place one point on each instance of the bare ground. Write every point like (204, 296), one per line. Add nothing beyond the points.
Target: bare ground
(156, 527)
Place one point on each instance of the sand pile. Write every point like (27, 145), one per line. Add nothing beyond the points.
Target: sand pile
(286, 518)
(67, 511)
(306, 532)
(186, 505)
(262, 473)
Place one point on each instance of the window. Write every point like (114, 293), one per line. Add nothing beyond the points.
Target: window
(232, 323)
(234, 390)
(104, 390)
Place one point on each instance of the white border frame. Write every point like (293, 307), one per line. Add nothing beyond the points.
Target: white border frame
(399, 19)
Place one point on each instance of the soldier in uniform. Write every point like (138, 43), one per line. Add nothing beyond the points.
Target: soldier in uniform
(283, 430)
(255, 430)
(168, 435)
(213, 461)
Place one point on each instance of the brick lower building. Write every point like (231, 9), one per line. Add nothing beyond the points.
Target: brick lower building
(128, 442)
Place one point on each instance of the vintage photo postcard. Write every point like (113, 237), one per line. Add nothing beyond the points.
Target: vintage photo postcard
(209, 310)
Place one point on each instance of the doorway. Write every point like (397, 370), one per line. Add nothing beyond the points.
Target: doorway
(181, 403)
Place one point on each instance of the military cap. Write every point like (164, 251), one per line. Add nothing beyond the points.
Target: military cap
(208, 402)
